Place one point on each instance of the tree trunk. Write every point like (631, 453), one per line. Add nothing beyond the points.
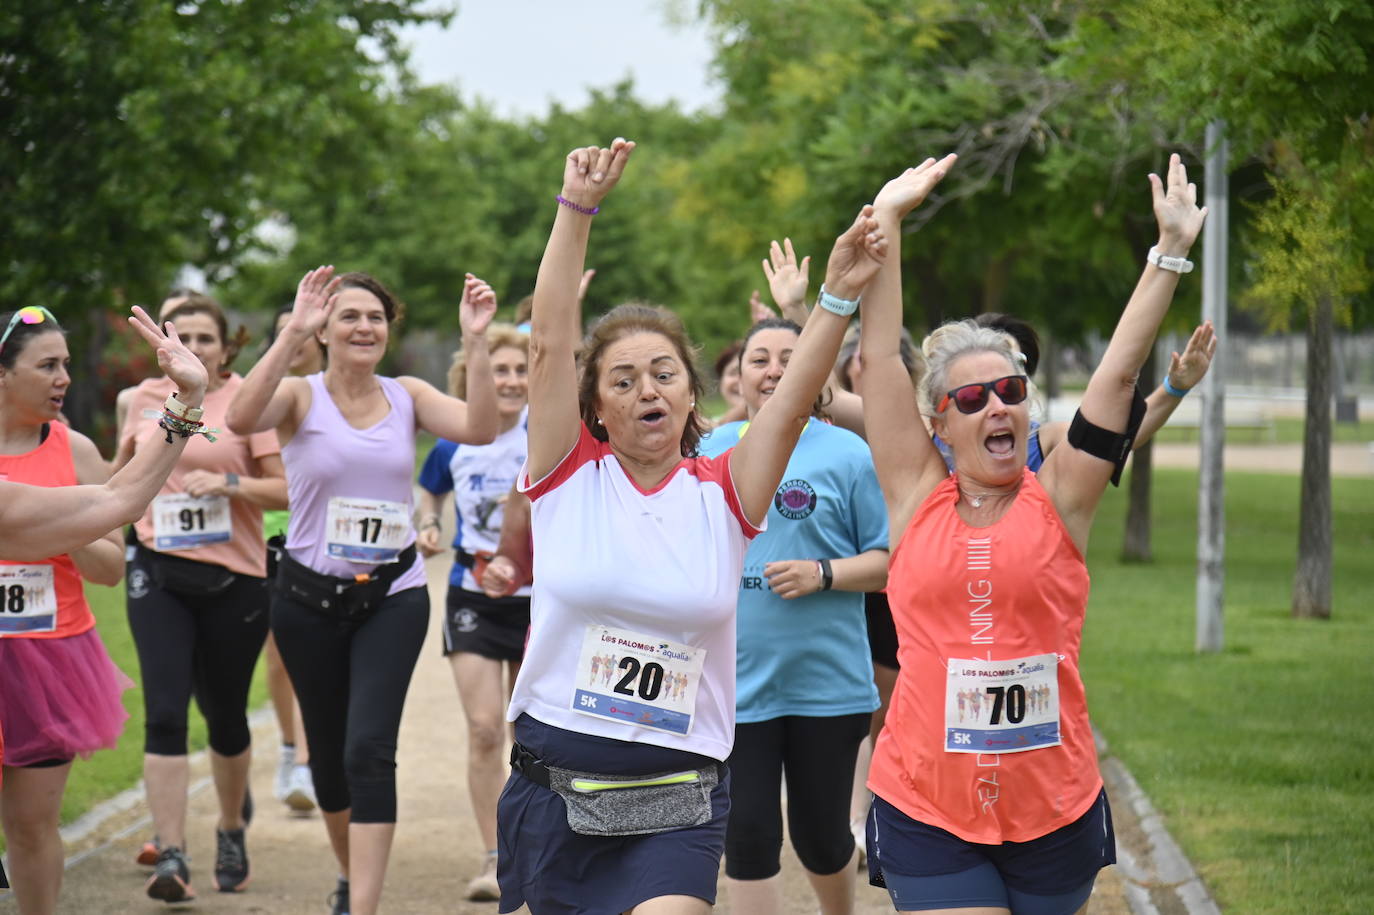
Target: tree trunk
(1135, 546)
(1312, 582)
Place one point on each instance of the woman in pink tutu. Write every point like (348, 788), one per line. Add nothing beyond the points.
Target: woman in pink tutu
(59, 691)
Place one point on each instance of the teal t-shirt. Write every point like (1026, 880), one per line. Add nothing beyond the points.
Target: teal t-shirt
(808, 656)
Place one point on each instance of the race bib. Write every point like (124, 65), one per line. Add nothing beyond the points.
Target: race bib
(184, 522)
(1002, 706)
(28, 599)
(637, 679)
(370, 531)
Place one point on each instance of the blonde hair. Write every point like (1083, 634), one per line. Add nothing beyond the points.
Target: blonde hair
(499, 336)
(951, 341)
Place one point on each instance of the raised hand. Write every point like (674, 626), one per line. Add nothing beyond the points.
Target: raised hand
(590, 172)
(856, 257)
(477, 307)
(315, 297)
(1188, 370)
(787, 278)
(176, 361)
(758, 308)
(904, 193)
(1176, 210)
(582, 284)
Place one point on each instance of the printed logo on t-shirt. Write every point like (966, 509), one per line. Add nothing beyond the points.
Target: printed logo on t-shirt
(795, 500)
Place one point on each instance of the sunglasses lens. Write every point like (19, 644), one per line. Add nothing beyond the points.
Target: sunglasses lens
(1012, 390)
(31, 314)
(971, 398)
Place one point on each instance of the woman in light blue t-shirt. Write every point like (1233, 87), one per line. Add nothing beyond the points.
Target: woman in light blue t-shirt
(805, 690)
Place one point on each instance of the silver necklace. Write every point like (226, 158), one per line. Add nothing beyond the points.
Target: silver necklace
(976, 498)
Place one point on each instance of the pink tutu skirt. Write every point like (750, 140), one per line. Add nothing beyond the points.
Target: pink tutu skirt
(59, 698)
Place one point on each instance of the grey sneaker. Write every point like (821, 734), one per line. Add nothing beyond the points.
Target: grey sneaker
(338, 900)
(231, 860)
(171, 880)
(483, 887)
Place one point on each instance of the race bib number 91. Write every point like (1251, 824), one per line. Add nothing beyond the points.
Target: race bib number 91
(184, 522)
(637, 679)
(28, 599)
(1002, 706)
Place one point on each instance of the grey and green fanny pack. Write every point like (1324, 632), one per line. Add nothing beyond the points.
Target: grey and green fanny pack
(625, 805)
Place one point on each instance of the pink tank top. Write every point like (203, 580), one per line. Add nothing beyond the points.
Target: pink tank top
(1008, 599)
(328, 459)
(50, 464)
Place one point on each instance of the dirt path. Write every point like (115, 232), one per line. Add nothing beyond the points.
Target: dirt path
(436, 849)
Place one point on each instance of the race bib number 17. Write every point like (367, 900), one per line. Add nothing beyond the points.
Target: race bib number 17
(371, 531)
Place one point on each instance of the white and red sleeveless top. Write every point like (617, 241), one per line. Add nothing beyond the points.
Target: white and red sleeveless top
(659, 569)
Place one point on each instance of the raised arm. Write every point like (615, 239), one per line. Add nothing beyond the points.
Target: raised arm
(788, 279)
(905, 458)
(758, 461)
(1074, 478)
(474, 422)
(39, 522)
(589, 174)
(1185, 373)
(262, 402)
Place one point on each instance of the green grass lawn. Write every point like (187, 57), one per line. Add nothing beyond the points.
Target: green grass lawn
(1259, 757)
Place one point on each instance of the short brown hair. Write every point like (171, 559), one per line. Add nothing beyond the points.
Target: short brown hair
(499, 336)
(621, 322)
(198, 303)
(395, 309)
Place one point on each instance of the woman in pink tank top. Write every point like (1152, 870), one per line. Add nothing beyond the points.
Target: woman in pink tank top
(350, 606)
(987, 792)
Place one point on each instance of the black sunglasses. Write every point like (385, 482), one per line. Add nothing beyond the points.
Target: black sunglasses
(970, 398)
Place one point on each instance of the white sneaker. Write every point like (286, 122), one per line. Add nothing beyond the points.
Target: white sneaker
(483, 887)
(300, 795)
(282, 783)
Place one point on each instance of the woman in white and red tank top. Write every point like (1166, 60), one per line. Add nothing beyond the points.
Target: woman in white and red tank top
(348, 442)
(987, 793)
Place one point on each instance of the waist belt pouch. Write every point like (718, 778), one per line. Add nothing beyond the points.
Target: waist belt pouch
(341, 598)
(617, 805)
(186, 576)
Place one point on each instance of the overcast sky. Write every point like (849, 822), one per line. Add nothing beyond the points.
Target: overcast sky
(520, 54)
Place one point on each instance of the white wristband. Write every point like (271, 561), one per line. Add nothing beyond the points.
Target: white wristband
(836, 305)
(1168, 262)
(182, 411)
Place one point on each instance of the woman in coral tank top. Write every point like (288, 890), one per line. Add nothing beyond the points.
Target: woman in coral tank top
(994, 803)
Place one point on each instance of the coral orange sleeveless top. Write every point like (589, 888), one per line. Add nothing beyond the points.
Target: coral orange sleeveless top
(987, 735)
(44, 599)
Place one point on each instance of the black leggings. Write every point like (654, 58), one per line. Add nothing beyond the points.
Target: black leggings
(817, 755)
(351, 681)
(204, 645)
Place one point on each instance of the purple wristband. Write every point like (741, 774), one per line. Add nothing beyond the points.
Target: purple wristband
(585, 211)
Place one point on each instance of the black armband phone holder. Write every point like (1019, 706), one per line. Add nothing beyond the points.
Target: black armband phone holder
(1114, 447)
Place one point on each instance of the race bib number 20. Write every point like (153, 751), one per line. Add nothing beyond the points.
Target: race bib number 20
(637, 679)
(1002, 706)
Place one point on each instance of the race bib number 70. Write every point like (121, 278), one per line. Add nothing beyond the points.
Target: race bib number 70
(1003, 706)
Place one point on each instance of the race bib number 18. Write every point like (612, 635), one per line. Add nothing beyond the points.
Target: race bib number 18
(1002, 706)
(637, 679)
(28, 600)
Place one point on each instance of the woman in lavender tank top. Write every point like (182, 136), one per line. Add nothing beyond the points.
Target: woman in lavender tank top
(348, 442)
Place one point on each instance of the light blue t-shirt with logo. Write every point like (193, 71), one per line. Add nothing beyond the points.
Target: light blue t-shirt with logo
(808, 656)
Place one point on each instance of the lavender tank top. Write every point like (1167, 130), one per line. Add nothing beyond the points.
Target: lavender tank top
(327, 458)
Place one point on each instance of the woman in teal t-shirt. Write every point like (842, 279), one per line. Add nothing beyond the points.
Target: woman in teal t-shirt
(804, 686)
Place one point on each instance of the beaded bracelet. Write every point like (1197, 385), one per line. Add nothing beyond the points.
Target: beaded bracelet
(585, 211)
(171, 423)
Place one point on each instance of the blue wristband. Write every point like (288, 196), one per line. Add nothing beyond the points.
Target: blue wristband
(836, 305)
(1173, 391)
